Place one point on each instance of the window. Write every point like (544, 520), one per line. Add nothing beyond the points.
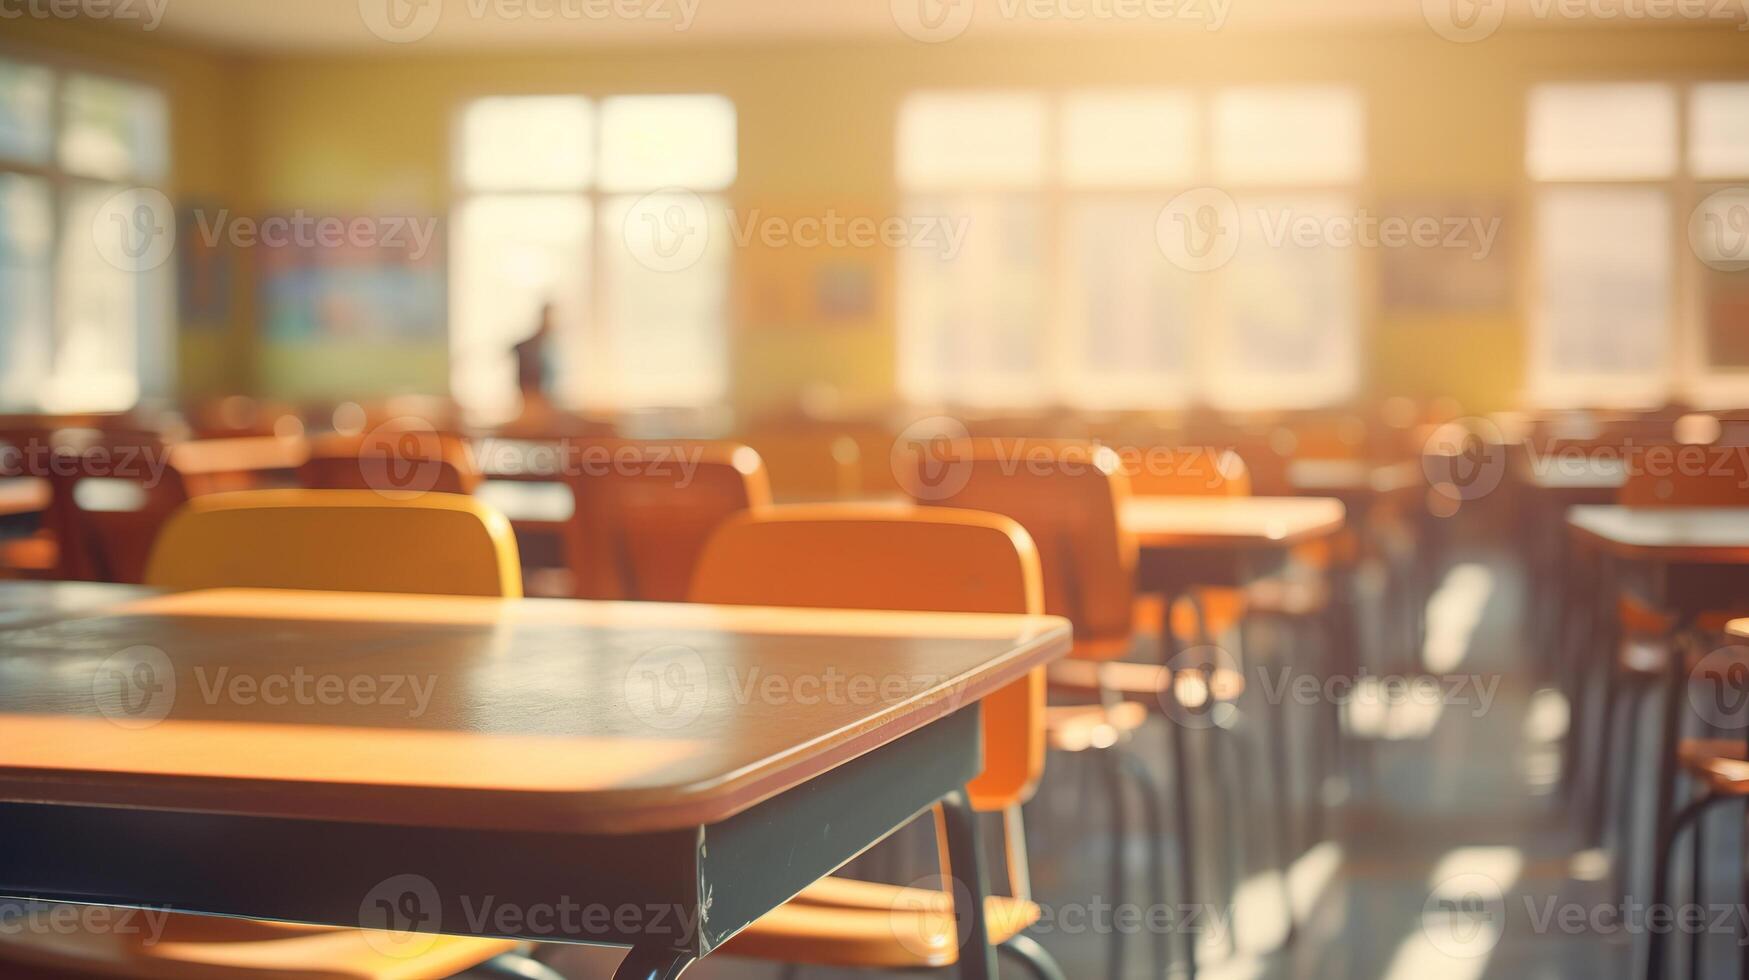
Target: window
(85, 297)
(1064, 292)
(610, 210)
(1633, 305)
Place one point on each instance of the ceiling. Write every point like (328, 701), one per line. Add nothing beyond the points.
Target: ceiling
(422, 25)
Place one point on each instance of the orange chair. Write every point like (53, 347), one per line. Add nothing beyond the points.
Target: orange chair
(336, 540)
(397, 461)
(1069, 496)
(853, 556)
(809, 465)
(645, 508)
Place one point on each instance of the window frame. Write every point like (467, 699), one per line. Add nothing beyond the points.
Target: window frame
(1057, 382)
(596, 338)
(154, 361)
(1688, 374)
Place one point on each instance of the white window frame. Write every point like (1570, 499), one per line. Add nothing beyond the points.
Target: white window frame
(155, 356)
(1192, 383)
(1688, 374)
(596, 338)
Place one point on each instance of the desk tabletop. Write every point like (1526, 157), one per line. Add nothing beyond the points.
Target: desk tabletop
(1694, 535)
(1557, 471)
(23, 495)
(519, 715)
(1334, 476)
(1230, 522)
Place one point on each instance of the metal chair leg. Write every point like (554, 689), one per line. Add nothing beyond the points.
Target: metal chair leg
(1154, 815)
(1118, 881)
(1036, 959)
(516, 966)
(1660, 883)
(656, 963)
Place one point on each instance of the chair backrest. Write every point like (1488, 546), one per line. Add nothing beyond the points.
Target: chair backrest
(1686, 476)
(645, 508)
(338, 540)
(871, 556)
(398, 462)
(109, 495)
(1186, 471)
(809, 464)
(1069, 496)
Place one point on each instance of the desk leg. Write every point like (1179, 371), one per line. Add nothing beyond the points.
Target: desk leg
(1664, 791)
(965, 860)
(1183, 811)
(655, 963)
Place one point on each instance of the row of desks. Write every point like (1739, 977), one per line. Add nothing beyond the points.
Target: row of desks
(538, 751)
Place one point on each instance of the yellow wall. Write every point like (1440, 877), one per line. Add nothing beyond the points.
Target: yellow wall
(352, 134)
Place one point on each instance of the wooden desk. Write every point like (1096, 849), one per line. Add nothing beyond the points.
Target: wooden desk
(23, 495)
(1559, 473)
(1353, 477)
(1191, 541)
(692, 759)
(1686, 560)
(1230, 522)
(1738, 629)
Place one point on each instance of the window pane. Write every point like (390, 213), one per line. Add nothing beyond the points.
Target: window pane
(511, 256)
(971, 141)
(25, 91)
(1127, 310)
(534, 143)
(1289, 136)
(665, 277)
(655, 141)
(1133, 138)
(972, 326)
(1287, 330)
(1609, 131)
(25, 234)
(114, 130)
(1718, 135)
(1604, 271)
(103, 310)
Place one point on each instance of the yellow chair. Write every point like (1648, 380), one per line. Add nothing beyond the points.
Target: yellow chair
(302, 539)
(862, 556)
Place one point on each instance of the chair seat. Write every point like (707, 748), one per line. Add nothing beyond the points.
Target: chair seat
(1143, 684)
(207, 948)
(1649, 656)
(1720, 763)
(841, 922)
(1078, 728)
(32, 556)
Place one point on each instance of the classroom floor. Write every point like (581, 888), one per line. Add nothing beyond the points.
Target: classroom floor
(1444, 802)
